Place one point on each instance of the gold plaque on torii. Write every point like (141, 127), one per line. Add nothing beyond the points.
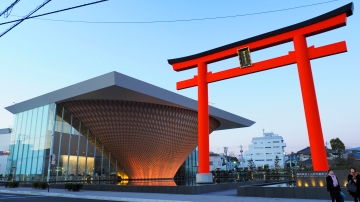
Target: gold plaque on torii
(244, 57)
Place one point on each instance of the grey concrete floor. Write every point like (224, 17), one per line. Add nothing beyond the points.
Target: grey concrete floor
(228, 196)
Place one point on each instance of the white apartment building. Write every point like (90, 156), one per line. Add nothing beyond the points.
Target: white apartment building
(5, 134)
(216, 162)
(263, 150)
(220, 162)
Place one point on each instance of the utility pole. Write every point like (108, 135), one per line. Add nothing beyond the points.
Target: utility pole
(225, 153)
(242, 157)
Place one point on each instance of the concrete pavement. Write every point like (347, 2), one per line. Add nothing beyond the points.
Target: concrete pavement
(228, 196)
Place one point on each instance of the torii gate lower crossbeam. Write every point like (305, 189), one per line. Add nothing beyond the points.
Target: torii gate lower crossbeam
(301, 56)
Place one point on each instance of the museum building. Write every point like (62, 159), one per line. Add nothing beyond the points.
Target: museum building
(111, 125)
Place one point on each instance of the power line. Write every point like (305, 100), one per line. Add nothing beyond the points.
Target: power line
(20, 21)
(8, 10)
(185, 20)
(54, 11)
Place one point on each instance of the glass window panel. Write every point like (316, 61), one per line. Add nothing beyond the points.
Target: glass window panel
(30, 156)
(36, 173)
(58, 140)
(36, 148)
(9, 161)
(113, 171)
(39, 121)
(31, 163)
(78, 152)
(41, 142)
(44, 121)
(20, 141)
(13, 133)
(44, 145)
(32, 137)
(90, 161)
(27, 142)
(105, 170)
(56, 149)
(17, 137)
(82, 153)
(37, 132)
(12, 144)
(97, 160)
(62, 171)
(63, 153)
(33, 123)
(72, 163)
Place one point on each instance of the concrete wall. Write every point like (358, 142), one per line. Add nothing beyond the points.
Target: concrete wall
(288, 192)
(309, 185)
(197, 189)
(318, 179)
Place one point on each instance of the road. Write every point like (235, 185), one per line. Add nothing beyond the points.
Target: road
(32, 198)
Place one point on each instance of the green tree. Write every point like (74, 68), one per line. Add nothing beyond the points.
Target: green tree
(337, 146)
(251, 164)
(277, 160)
(352, 161)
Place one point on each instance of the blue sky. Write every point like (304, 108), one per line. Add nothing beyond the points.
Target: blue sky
(42, 55)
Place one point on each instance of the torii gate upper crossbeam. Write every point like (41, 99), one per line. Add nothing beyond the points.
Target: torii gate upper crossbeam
(289, 59)
(326, 22)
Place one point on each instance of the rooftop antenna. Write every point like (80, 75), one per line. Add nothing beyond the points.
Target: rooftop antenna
(263, 132)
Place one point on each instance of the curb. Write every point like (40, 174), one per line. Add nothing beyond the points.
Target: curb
(87, 196)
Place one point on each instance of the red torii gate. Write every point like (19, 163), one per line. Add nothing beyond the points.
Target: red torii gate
(301, 55)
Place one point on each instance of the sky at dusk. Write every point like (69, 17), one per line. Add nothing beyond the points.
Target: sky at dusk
(51, 52)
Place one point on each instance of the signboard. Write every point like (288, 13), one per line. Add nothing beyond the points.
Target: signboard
(4, 153)
(244, 57)
(311, 174)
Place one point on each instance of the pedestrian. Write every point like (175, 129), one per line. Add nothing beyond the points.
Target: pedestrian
(354, 178)
(333, 187)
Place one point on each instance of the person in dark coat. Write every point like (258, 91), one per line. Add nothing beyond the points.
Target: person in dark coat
(354, 178)
(333, 187)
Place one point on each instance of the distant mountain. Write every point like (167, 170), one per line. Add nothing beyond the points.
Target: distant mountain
(356, 148)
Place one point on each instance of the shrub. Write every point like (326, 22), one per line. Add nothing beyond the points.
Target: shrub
(39, 185)
(16, 184)
(68, 186)
(35, 185)
(43, 185)
(77, 186)
(12, 184)
(73, 187)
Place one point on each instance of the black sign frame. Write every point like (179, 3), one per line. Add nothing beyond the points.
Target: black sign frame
(244, 57)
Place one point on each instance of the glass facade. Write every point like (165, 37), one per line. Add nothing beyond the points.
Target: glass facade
(190, 166)
(30, 143)
(77, 154)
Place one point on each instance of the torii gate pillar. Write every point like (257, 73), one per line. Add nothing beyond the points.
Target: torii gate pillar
(312, 115)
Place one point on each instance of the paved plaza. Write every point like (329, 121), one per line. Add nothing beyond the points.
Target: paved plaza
(228, 196)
